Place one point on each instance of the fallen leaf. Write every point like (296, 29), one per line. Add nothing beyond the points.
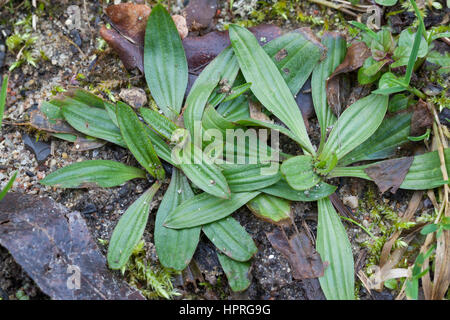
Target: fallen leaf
(199, 13)
(357, 53)
(39, 121)
(126, 37)
(40, 149)
(389, 174)
(202, 50)
(55, 248)
(299, 250)
(304, 100)
(421, 120)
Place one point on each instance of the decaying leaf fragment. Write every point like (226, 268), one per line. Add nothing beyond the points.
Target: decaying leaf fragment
(389, 174)
(357, 53)
(299, 250)
(55, 248)
(421, 120)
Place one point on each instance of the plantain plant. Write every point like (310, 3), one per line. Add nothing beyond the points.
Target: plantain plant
(220, 99)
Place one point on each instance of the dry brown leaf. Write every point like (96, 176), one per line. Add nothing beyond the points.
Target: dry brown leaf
(299, 250)
(421, 119)
(389, 174)
(55, 248)
(357, 53)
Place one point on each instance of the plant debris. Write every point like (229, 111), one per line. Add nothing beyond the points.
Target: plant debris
(300, 252)
(357, 53)
(55, 248)
(390, 174)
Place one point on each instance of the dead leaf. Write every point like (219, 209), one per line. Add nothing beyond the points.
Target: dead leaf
(126, 37)
(40, 149)
(421, 120)
(299, 250)
(256, 113)
(40, 122)
(203, 49)
(389, 174)
(55, 248)
(357, 53)
(199, 13)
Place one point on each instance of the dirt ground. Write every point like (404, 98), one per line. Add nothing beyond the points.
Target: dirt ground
(70, 51)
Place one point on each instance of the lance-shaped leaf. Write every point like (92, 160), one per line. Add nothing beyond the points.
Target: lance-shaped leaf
(137, 140)
(392, 132)
(424, 172)
(283, 190)
(175, 248)
(85, 97)
(271, 209)
(161, 147)
(164, 126)
(129, 229)
(223, 68)
(92, 173)
(336, 49)
(237, 272)
(8, 186)
(338, 282)
(3, 98)
(299, 172)
(235, 109)
(205, 208)
(165, 65)
(250, 177)
(356, 124)
(231, 239)
(295, 55)
(258, 123)
(92, 121)
(268, 85)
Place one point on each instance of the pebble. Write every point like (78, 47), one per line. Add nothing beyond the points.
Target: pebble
(135, 97)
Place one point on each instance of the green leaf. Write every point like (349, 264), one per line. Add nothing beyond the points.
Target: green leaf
(3, 92)
(393, 132)
(404, 48)
(250, 177)
(416, 45)
(389, 84)
(424, 136)
(85, 97)
(161, 147)
(231, 239)
(175, 248)
(8, 186)
(92, 173)
(356, 124)
(424, 173)
(299, 172)
(237, 272)
(164, 126)
(235, 109)
(295, 56)
(224, 67)
(268, 85)
(429, 228)
(138, 141)
(338, 282)
(93, 122)
(336, 50)
(270, 208)
(130, 228)
(370, 71)
(283, 190)
(205, 208)
(386, 3)
(165, 65)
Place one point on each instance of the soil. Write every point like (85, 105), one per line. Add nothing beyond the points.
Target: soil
(70, 51)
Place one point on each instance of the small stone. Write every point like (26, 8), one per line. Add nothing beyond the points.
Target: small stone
(64, 155)
(180, 23)
(351, 201)
(135, 97)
